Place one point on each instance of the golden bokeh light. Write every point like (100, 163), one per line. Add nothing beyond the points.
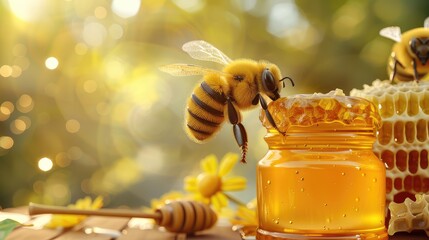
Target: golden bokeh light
(45, 164)
(94, 33)
(6, 71)
(100, 12)
(51, 63)
(62, 160)
(126, 8)
(56, 189)
(28, 10)
(18, 126)
(25, 103)
(16, 71)
(6, 109)
(72, 126)
(6, 142)
(27, 121)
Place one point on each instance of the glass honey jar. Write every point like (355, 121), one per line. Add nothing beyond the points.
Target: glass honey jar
(320, 178)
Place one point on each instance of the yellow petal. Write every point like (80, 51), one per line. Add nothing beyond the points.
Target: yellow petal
(97, 203)
(199, 198)
(190, 184)
(226, 213)
(83, 203)
(234, 184)
(227, 163)
(219, 201)
(209, 164)
(247, 215)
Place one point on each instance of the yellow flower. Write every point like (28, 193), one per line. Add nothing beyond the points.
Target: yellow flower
(67, 221)
(209, 186)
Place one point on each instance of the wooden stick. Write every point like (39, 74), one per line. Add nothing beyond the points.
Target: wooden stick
(175, 216)
(35, 209)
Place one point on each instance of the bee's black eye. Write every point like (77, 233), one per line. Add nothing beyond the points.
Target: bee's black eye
(268, 81)
(238, 78)
(413, 45)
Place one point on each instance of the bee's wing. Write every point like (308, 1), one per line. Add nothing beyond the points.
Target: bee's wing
(426, 24)
(182, 69)
(393, 33)
(202, 50)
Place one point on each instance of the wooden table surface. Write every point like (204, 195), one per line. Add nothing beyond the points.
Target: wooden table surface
(108, 228)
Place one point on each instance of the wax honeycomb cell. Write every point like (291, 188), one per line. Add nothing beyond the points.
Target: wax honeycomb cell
(308, 110)
(403, 140)
(409, 215)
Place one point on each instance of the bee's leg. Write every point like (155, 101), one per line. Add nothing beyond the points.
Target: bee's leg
(255, 101)
(268, 114)
(416, 74)
(238, 129)
(395, 64)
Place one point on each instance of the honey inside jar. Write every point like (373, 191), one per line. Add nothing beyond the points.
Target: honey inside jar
(321, 178)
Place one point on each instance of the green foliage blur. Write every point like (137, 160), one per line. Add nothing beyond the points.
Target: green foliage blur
(84, 109)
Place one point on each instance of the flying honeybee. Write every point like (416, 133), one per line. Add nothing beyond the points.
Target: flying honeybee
(222, 94)
(410, 53)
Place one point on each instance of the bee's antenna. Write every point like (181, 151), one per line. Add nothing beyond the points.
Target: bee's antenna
(290, 79)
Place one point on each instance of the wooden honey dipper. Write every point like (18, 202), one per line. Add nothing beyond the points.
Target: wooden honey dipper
(175, 216)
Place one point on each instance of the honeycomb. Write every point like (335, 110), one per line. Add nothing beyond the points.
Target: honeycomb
(409, 215)
(310, 109)
(403, 140)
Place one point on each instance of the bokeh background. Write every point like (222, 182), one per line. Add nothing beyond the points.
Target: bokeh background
(84, 109)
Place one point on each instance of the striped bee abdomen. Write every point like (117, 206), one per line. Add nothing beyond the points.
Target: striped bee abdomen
(205, 112)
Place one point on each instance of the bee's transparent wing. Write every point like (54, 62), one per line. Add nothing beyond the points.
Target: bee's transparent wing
(202, 50)
(426, 24)
(393, 33)
(182, 69)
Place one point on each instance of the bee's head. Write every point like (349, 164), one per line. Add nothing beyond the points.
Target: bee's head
(419, 49)
(271, 84)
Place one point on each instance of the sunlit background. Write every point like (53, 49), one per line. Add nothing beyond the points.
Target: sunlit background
(85, 111)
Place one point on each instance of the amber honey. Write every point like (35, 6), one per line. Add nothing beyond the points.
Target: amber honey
(321, 180)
